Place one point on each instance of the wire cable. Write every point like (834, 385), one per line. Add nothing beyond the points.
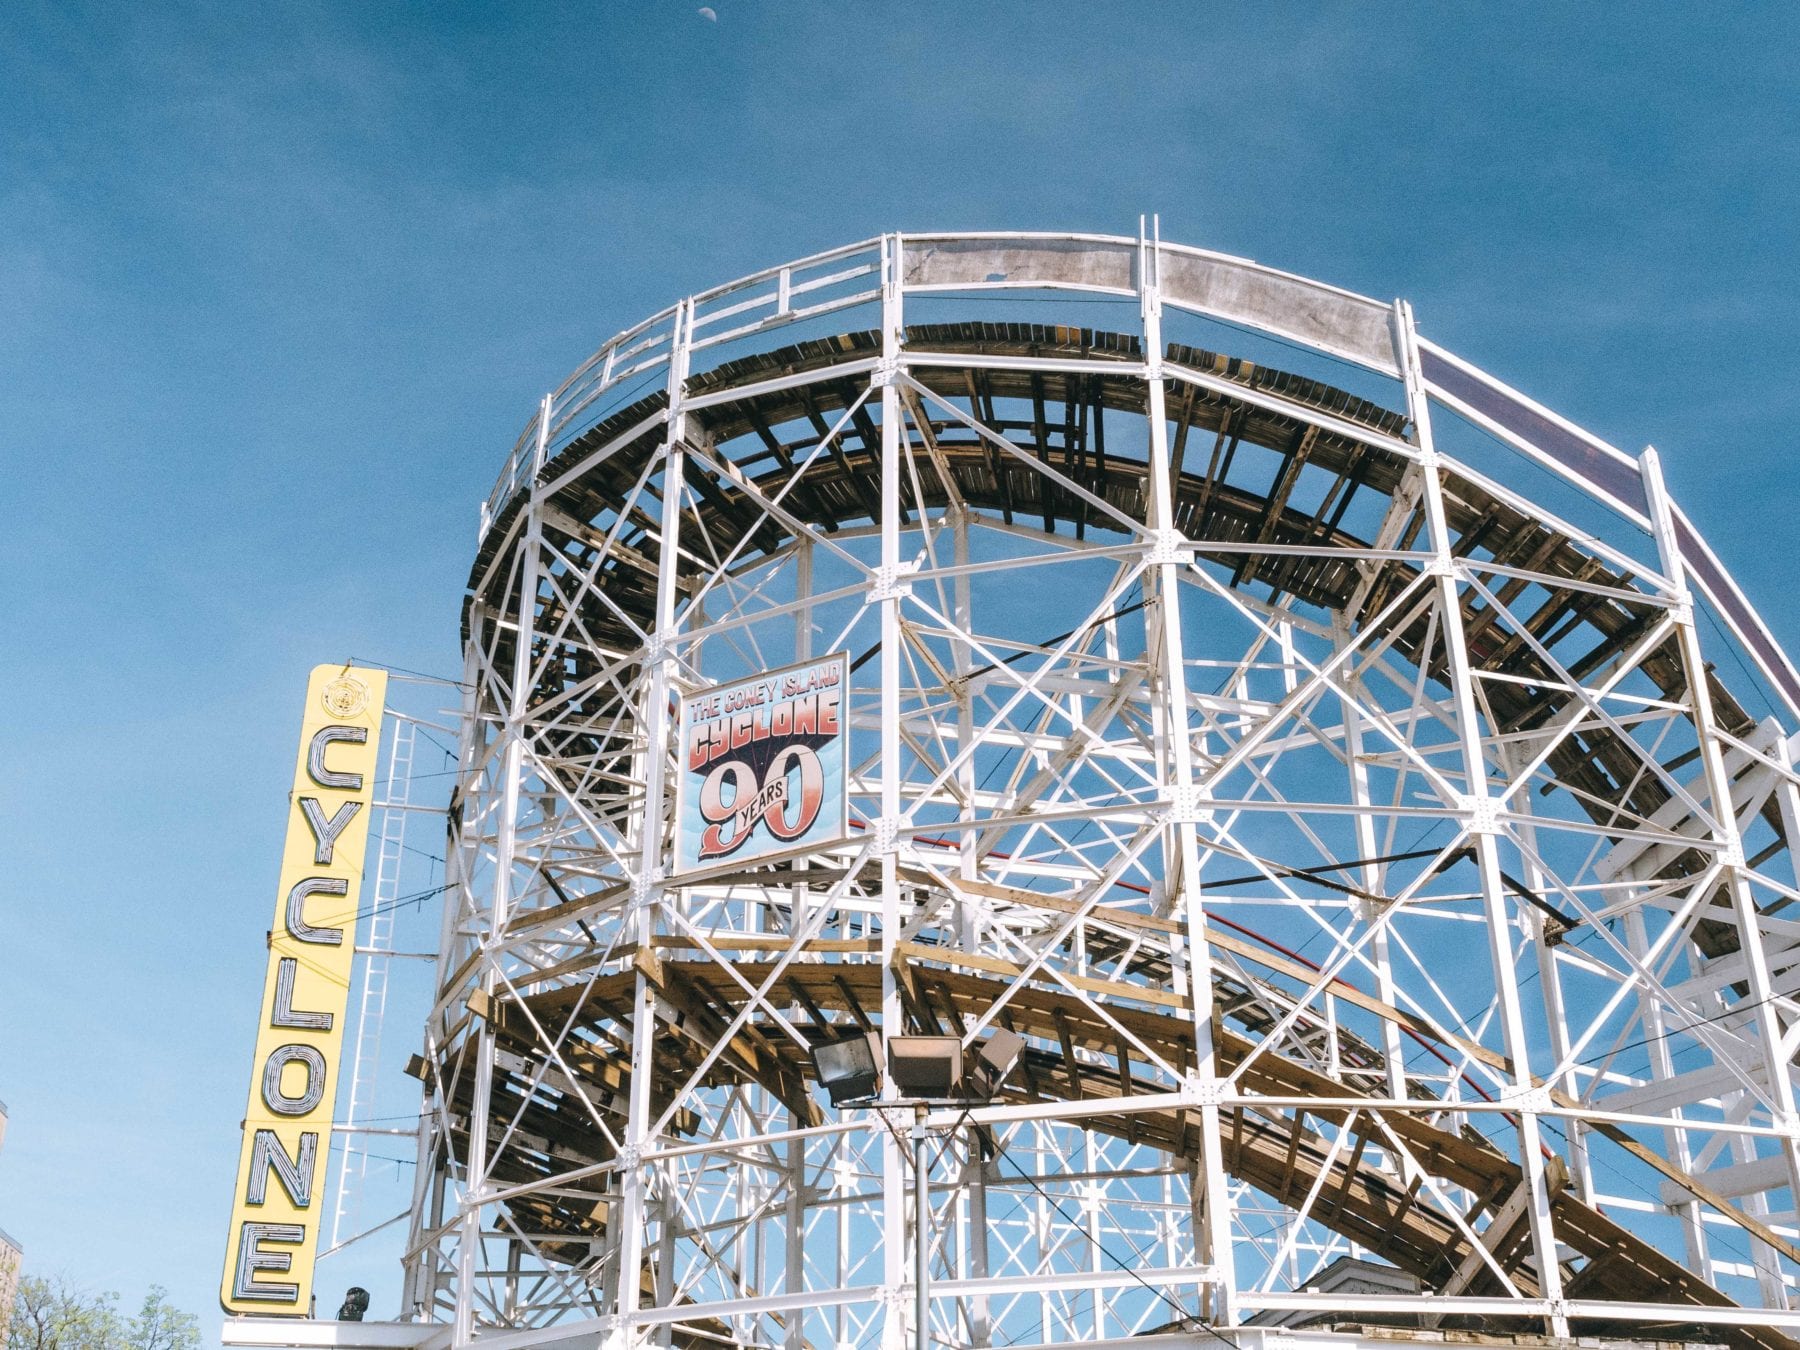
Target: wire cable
(1732, 1011)
(419, 674)
(1185, 1317)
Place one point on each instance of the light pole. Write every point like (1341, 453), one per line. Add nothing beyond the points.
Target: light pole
(921, 1233)
(928, 1072)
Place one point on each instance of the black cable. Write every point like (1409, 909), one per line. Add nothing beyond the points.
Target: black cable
(1731, 645)
(448, 752)
(435, 773)
(1676, 1031)
(383, 665)
(1186, 1318)
(1410, 851)
(372, 1120)
(338, 1146)
(411, 899)
(1311, 873)
(875, 647)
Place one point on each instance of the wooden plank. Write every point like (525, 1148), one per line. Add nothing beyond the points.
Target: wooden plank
(856, 1009)
(1039, 900)
(1249, 564)
(1183, 425)
(995, 966)
(996, 465)
(1296, 1127)
(1231, 424)
(1070, 1067)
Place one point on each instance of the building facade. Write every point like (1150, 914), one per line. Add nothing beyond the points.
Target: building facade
(11, 1257)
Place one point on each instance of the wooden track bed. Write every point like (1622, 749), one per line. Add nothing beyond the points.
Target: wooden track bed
(1062, 421)
(834, 986)
(1066, 431)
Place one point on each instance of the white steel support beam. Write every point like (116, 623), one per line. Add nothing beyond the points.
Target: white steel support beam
(1177, 764)
(1761, 1000)
(423, 1277)
(1478, 821)
(1550, 979)
(475, 1165)
(648, 890)
(1373, 874)
(896, 1328)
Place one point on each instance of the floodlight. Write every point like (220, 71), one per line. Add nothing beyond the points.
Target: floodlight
(356, 1303)
(846, 1068)
(925, 1066)
(995, 1060)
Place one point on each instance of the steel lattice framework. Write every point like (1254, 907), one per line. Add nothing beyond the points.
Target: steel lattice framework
(1369, 853)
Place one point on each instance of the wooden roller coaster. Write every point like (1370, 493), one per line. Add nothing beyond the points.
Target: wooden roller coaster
(748, 424)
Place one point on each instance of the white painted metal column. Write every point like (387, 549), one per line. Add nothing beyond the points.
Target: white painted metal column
(1165, 563)
(896, 1279)
(1478, 815)
(1760, 1004)
(649, 886)
(506, 855)
(422, 1275)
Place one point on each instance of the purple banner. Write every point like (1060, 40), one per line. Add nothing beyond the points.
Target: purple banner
(1587, 460)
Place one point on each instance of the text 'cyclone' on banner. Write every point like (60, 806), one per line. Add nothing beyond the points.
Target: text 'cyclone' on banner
(763, 766)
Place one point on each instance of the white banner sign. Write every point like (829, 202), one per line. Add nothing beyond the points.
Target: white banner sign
(763, 766)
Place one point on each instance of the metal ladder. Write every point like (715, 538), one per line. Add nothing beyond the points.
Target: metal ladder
(366, 1063)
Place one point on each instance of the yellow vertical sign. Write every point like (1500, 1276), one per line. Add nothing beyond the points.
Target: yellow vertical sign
(287, 1129)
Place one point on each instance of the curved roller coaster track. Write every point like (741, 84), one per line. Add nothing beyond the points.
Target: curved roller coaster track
(1341, 793)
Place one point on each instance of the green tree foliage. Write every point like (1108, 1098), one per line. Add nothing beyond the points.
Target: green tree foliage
(53, 1314)
(160, 1325)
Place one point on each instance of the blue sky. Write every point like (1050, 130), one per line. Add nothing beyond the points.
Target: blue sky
(279, 284)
